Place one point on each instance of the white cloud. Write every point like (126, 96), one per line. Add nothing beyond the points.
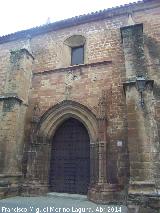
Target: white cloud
(17, 15)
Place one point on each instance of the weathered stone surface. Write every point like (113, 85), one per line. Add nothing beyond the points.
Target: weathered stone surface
(39, 90)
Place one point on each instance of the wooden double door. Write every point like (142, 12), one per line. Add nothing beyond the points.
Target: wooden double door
(70, 158)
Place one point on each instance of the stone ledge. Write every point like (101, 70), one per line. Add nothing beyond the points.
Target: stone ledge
(74, 67)
(144, 193)
(14, 96)
(22, 51)
(5, 175)
(10, 96)
(142, 187)
(33, 188)
(144, 201)
(132, 26)
(107, 194)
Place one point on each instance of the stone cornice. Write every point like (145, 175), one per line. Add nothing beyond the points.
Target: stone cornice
(72, 68)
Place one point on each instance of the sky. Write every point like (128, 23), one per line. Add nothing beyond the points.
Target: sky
(16, 15)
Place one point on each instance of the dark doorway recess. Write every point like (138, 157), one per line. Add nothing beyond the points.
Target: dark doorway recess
(70, 158)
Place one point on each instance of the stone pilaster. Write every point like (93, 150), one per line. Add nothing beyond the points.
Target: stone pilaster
(141, 141)
(102, 162)
(94, 164)
(36, 181)
(133, 47)
(102, 129)
(14, 102)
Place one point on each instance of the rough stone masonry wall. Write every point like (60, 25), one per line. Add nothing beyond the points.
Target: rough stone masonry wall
(12, 120)
(152, 54)
(103, 43)
(5, 60)
(151, 24)
(141, 123)
(143, 137)
(13, 102)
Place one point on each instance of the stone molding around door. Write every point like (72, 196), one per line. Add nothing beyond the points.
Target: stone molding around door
(57, 114)
(39, 166)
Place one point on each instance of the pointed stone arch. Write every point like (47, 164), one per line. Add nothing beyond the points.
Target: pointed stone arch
(57, 114)
(50, 121)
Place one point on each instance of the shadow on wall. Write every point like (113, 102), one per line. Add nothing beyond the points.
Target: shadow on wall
(153, 47)
(154, 53)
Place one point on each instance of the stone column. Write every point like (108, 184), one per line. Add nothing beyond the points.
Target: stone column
(102, 162)
(94, 164)
(14, 102)
(102, 137)
(140, 117)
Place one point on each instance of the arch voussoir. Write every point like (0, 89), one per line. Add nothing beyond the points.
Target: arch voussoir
(57, 114)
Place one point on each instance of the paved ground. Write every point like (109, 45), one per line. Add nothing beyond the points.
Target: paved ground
(58, 203)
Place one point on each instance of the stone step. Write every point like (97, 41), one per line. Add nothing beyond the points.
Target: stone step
(67, 195)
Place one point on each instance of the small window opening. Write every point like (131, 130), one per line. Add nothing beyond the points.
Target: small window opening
(77, 55)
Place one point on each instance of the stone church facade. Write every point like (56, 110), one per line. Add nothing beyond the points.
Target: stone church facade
(80, 106)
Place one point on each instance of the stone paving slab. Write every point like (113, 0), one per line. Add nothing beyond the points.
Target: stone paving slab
(54, 203)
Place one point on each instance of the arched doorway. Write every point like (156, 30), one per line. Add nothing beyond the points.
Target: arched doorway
(70, 158)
